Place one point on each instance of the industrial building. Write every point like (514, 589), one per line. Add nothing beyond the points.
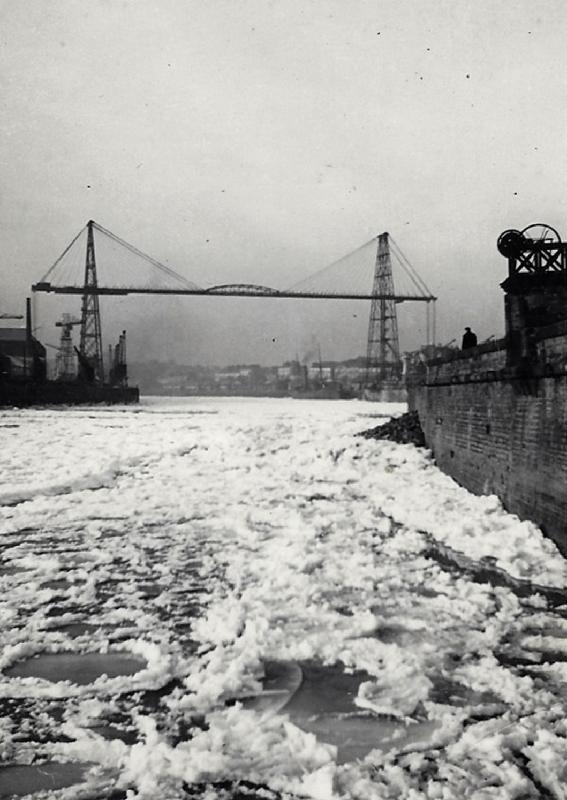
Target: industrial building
(22, 356)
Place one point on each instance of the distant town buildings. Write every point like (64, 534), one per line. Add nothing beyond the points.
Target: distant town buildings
(342, 377)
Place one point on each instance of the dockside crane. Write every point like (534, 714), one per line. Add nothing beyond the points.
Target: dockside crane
(65, 365)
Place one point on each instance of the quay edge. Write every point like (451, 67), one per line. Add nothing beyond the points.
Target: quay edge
(48, 393)
(495, 415)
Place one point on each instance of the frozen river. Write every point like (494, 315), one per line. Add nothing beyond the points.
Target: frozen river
(199, 592)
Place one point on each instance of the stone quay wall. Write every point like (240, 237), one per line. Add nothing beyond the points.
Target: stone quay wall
(501, 429)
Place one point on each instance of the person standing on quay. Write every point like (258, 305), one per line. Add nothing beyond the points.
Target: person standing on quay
(469, 339)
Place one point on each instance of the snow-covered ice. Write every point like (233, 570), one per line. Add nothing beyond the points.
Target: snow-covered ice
(316, 614)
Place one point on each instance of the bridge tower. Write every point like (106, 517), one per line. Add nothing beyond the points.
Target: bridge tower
(90, 347)
(383, 362)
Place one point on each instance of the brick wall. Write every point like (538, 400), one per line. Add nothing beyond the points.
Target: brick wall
(498, 430)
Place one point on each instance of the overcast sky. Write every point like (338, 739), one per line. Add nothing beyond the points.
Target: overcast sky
(257, 141)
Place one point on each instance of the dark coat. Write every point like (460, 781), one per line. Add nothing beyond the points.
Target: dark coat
(469, 340)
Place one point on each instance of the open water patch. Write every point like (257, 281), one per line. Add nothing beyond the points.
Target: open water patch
(114, 733)
(10, 569)
(326, 689)
(76, 629)
(280, 682)
(324, 705)
(56, 584)
(78, 668)
(450, 692)
(19, 780)
(486, 572)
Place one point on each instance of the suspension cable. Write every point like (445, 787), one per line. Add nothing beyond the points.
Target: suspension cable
(64, 253)
(140, 254)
